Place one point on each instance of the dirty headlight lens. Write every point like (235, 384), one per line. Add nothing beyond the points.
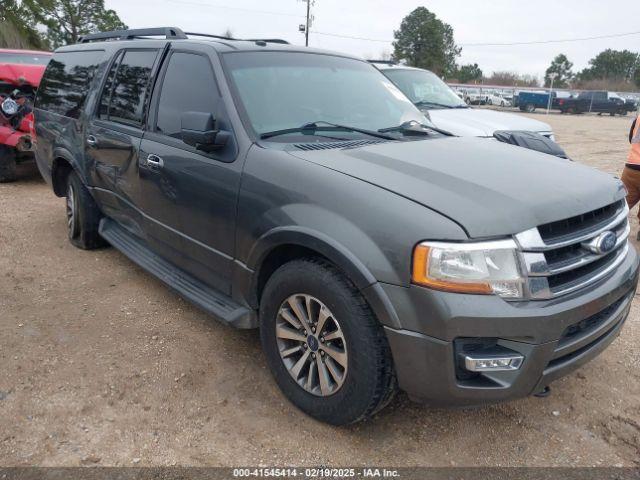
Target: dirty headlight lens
(480, 268)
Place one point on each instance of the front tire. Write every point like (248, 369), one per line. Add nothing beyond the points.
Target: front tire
(326, 350)
(83, 215)
(7, 164)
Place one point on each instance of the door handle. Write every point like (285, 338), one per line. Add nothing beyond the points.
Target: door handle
(154, 161)
(92, 141)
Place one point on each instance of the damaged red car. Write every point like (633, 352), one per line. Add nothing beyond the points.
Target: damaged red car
(20, 74)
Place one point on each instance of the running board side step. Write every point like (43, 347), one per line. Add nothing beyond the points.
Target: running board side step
(219, 305)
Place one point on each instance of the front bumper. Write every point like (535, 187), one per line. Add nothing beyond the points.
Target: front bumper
(433, 322)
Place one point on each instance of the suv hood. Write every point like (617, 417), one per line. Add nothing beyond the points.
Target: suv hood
(476, 122)
(489, 188)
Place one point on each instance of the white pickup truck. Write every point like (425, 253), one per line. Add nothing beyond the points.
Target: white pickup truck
(447, 111)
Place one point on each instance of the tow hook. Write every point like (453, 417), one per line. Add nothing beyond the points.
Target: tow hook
(545, 392)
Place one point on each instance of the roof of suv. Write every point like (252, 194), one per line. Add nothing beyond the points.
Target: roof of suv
(173, 34)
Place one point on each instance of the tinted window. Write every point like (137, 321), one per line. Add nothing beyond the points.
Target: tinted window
(66, 82)
(103, 110)
(128, 89)
(188, 86)
(25, 58)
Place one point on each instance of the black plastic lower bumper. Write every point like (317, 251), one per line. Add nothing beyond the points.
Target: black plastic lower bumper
(556, 338)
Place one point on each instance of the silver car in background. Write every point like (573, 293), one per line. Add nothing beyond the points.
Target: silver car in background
(447, 111)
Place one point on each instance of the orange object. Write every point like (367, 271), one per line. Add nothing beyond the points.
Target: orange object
(634, 152)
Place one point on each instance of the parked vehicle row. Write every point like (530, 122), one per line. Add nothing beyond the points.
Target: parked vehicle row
(563, 100)
(599, 102)
(328, 203)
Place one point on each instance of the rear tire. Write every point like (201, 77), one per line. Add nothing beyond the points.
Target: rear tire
(7, 164)
(320, 386)
(83, 215)
(529, 108)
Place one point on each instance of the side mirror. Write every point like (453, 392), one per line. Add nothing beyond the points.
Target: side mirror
(200, 130)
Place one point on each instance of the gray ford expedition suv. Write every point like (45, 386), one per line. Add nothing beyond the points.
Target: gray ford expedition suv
(299, 191)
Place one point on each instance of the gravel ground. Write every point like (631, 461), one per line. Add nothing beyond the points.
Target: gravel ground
(102, 364)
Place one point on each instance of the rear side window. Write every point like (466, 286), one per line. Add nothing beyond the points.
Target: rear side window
(66, 82)
(188, 86)
(123, 97)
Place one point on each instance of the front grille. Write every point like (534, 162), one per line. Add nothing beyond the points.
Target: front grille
(561, 257)
(556, 231)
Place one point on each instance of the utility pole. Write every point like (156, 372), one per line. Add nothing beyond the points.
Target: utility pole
(552, 76)
(306, 30)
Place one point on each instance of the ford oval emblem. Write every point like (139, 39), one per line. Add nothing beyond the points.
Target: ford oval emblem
(603, 243)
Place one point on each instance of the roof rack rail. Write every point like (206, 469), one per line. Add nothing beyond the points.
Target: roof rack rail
(170, 33)
(222, 37)
(167, 32)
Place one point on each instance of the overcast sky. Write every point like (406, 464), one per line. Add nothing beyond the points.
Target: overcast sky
(478, 21)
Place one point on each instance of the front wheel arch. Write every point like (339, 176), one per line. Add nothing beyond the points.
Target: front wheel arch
(283, 246)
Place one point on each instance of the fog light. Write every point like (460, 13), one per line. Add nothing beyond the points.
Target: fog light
(492, 364)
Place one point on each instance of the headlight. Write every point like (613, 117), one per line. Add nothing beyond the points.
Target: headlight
(481, 268)
(9, 107)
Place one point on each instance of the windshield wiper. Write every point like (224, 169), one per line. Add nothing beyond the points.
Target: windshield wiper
(425, 103)
(412, 127)
(313, 127)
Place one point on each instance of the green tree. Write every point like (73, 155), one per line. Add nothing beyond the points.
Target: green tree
(616, 65)
(468, 73)
(425, 41)
(561, 66)
(67, 20)
(17, 27)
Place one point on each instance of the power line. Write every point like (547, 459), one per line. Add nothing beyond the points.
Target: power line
(349, 36)
(249, 10)
(535, 42)
(538, 42)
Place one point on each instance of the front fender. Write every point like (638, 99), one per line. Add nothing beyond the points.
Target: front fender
(335, 252)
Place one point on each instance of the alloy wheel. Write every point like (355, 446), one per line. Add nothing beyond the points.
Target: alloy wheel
(71, 212)
(312, 345)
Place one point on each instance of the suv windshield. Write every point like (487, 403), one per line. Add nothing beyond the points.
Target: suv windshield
(424, 88)
(281, 91)
(25, 58)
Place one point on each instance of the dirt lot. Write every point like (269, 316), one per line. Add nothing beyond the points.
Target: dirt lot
(101, 364)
